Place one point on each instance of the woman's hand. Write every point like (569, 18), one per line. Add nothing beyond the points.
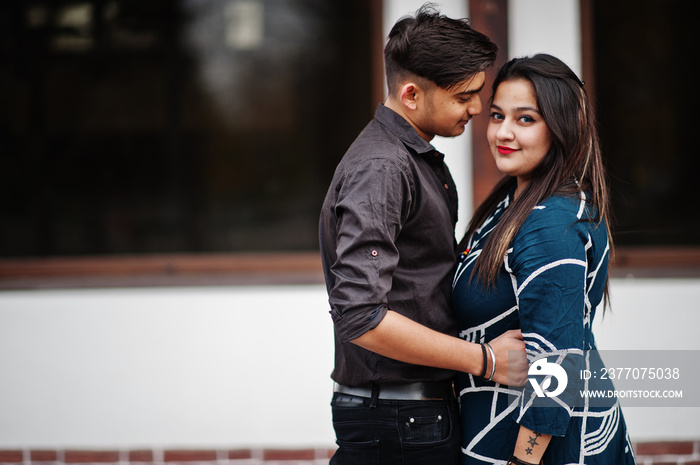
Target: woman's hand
(511, 362)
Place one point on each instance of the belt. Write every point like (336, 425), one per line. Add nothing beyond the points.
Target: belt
(410, 391)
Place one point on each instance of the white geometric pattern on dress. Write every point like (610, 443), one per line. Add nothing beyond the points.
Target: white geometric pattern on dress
(598, 428)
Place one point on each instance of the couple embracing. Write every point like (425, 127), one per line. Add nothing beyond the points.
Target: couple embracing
(434, 338)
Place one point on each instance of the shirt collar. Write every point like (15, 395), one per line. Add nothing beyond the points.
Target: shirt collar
(403, 130)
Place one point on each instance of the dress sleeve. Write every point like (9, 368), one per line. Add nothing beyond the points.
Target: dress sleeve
(373, 202)
(548, 267)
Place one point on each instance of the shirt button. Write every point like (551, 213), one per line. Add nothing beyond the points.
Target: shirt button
(375, 253)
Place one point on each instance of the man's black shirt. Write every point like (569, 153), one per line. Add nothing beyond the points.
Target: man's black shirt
(387, 242)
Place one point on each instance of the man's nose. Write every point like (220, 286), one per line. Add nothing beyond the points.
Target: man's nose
(474, 107)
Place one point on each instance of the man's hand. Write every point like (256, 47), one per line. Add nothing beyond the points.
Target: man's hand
(511, 362)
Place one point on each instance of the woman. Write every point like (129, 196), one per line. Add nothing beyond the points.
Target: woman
(535, 258)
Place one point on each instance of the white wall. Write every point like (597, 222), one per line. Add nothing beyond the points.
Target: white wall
(165, 367)
(545, 26)
(655, 314)
(236, 366)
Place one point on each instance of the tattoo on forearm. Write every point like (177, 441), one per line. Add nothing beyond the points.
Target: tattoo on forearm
(533, 442)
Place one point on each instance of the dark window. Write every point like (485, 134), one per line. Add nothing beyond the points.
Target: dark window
(159, 126)
(647, 109)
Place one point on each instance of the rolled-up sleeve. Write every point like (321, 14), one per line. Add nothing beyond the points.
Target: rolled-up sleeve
(372, 202)
(548, 262)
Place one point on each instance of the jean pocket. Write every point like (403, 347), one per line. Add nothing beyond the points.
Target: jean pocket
(353, 452)
(426, 425)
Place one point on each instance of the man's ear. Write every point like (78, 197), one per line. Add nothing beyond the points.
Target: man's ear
(410, 94)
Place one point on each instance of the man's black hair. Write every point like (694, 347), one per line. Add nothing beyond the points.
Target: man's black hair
(432, 46)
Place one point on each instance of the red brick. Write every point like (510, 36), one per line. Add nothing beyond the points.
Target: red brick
(288, 454)
(141, 456)
(91, 456)
(11, 456)
(665, 463)
(694, 462)
(43, 455)
(189, 455)
(664, 448)
(240, 454)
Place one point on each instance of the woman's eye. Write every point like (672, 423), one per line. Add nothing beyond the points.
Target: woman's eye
(527, 119)
(496, 116)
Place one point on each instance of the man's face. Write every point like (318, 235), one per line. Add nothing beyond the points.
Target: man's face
(446, 112)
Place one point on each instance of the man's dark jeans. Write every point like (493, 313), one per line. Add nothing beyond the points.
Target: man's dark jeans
(397, 432)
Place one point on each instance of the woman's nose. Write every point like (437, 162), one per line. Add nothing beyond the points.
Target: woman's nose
(505, 131)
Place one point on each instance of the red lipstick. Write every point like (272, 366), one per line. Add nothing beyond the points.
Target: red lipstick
(503, 150)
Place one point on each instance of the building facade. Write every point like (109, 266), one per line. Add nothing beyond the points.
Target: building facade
(162, 297)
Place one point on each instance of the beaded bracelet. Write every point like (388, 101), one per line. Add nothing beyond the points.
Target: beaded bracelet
(483, 351)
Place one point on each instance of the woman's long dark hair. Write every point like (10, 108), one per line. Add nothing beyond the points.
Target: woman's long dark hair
(572, 164)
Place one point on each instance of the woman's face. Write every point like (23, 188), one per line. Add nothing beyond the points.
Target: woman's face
(517, 134)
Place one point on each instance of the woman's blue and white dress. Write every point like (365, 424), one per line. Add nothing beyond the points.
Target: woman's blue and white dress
(551, 283)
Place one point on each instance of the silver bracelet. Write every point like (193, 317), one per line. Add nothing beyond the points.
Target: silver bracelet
(493, 358)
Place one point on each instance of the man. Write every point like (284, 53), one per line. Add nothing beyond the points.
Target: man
(388, 250)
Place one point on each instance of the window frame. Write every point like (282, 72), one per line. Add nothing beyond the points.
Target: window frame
(305, 267)
(639, 261)
(184, 269)
(161, 270)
